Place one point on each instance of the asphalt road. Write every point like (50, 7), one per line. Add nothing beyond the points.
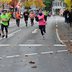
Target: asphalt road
(26, 51)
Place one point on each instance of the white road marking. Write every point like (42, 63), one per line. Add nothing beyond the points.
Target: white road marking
(62, 51)
(47, 52)
(58, 33)
(59, 45)
(4, 45)
(35, 31)
(58, 36)
(31, 54)
(12, 56)
(56, 25)
(32, 45)
(9, 56)
(62, 41)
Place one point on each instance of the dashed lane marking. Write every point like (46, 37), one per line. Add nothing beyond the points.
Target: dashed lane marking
(59, 45)
(31, 54)
(12, 56)
(47, 52)
(32, 45)
(34, 54)
(4, 45)
(37, 45)
(62, 51)
(57, 26)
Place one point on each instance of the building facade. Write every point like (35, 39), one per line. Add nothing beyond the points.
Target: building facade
(57, 6)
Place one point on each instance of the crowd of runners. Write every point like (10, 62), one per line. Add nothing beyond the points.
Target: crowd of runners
(39, 16)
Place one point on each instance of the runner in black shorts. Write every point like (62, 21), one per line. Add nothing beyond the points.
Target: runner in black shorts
(4, 24)
(26, 15)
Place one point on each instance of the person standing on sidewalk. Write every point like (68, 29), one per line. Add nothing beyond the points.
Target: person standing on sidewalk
(26, 15)
(18, 18)
(42, 23)
(70, 18)
(32, 16)
(4, 23)
(66, 15)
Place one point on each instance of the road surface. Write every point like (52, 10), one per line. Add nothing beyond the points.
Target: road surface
(26, 51)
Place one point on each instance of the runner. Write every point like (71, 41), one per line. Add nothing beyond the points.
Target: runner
(32, 16)
(0, 24)
(42, 23)
(18, 18)
(9, 16)
(4, 24)
(26, 14)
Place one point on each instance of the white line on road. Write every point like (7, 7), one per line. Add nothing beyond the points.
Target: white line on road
(9, 56)
(47, 52)
(62, 41)
(12, 56)
(4, 45)
(59, 45)
(58, 36)
(32, 45)
(62, 51)
(31, 54)
(57, 26)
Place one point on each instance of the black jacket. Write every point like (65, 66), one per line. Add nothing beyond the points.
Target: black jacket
(70, 16)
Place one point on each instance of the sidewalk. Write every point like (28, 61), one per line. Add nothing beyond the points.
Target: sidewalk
(65, 33)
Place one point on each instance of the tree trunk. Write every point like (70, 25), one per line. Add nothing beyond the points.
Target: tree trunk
(3, 6)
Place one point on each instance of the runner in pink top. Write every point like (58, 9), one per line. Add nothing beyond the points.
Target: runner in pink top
(42, 22)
